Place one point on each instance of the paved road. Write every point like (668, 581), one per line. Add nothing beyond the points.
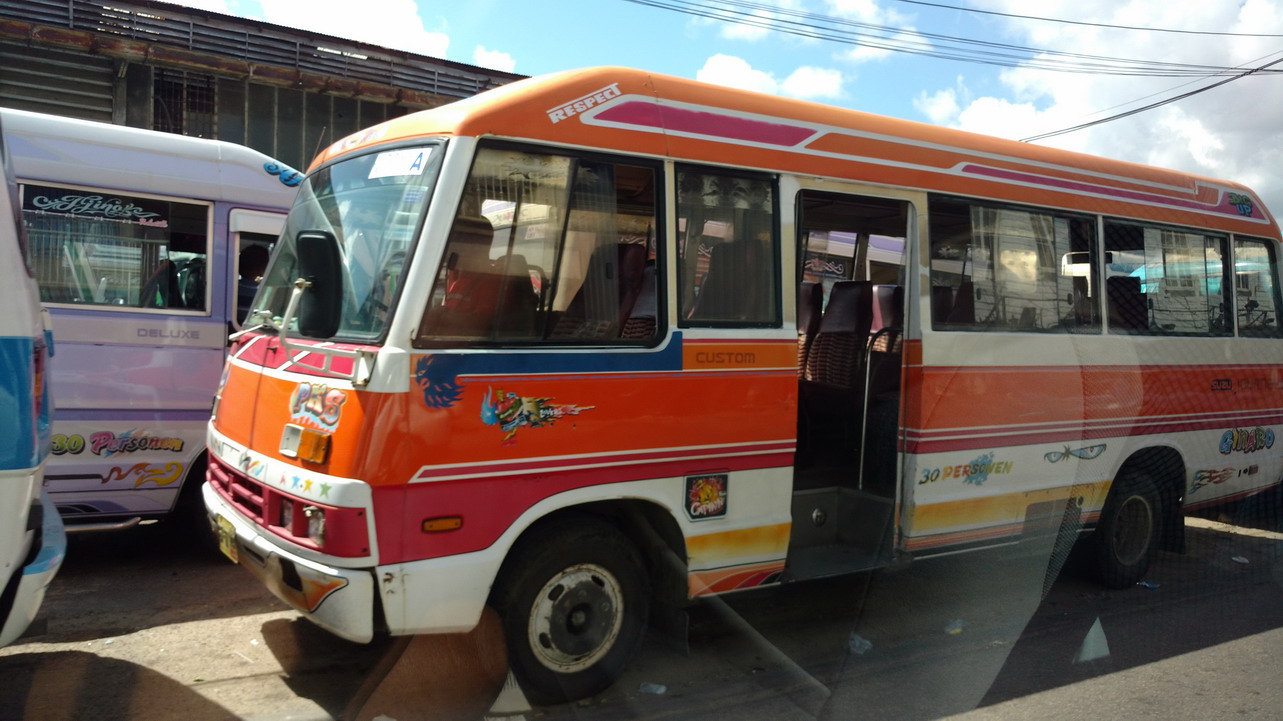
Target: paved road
(148, 625)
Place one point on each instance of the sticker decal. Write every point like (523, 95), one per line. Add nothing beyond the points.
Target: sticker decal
(146, 473)
(1246, 440)
(436, 376)
(974, 473)
(106, 443)
(1087, 453)
(706, 496)
(584, 104)
(1210, 477)
(317, 406)
(511, 412)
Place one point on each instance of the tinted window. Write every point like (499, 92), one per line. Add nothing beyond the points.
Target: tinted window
(1011, 269)
(729, 249)
(91, 247)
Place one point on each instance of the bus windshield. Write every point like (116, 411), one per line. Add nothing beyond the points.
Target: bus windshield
(373, 204)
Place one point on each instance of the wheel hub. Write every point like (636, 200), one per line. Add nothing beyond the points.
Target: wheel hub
(576, 618)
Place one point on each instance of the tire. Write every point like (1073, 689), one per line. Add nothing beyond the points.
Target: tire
(1130, 531)
(574, 600)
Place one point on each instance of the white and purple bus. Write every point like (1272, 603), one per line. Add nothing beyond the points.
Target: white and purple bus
(32, 542)
(144, 245)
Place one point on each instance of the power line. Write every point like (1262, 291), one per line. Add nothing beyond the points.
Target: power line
(1084, 23)
(946, 47)
(1151, 106)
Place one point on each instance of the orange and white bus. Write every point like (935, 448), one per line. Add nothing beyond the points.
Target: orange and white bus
(602, 340)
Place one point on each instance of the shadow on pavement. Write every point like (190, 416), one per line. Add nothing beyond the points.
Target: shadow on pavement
(86, 687)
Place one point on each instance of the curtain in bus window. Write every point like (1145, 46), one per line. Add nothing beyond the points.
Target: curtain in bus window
(565, 253)
(729, 249)
(90, 247)
(1013, 270)
(1179, 274)
(1256, 290)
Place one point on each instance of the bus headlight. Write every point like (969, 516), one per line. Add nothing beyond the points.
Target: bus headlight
(315, 524)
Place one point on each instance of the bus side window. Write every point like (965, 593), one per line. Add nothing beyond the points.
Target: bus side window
(566, 254)
(154, 259)
(1176, 274)
(729, 249)
(1256, 290)
(1012, 269)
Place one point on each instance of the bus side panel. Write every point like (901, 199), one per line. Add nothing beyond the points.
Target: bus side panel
(133, 394)
(996, 448)
(488, 446)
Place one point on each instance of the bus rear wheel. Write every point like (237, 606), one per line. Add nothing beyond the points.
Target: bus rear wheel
(1129, 531)
(573, 599)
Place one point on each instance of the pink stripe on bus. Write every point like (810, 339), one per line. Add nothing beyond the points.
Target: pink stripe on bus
(712, 125)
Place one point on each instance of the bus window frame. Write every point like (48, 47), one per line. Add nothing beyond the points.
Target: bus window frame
(1272, 250)
(659, 241)
(1230, 329)
(210, 211)
(1095, 247)
(776, 251)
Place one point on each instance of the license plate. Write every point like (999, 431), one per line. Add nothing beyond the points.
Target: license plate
(227, 539)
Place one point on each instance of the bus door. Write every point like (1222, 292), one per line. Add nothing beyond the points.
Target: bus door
(852, 294)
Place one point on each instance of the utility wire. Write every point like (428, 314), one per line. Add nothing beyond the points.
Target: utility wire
(1151, 106)
(1087, 24)
(948, 47)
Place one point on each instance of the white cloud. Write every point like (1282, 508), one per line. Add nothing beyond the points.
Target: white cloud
(387, 23)
(940, 107)
(1229, 132)
(813, 83)
(806, 82)
(871, 13)
(493, 59)
(742, 31)
(734, 72)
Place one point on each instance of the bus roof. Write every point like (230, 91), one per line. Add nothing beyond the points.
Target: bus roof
(627, 110)
(56, 149)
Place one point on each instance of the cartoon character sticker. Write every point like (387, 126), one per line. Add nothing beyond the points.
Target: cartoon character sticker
(706, 496)
(511, 412)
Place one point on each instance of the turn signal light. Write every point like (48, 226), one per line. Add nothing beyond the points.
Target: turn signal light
(442, 524)
(304, 444)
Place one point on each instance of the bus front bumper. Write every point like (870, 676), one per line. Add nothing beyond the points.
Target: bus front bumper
(337, 599)
(34, 578)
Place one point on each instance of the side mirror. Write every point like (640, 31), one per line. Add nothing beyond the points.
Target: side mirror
(320, 264)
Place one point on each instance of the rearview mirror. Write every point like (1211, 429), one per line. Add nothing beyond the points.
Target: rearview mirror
(320, 263)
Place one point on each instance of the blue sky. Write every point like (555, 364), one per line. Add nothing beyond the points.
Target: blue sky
(1232, 132)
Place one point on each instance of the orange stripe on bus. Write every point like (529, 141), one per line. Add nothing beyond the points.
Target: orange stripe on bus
(740, 543)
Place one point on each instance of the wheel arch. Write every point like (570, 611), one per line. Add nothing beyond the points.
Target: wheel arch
(1165, 464)
(646, 523)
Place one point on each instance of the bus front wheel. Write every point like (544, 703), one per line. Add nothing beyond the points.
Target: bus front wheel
(573, 599)
(1129, 531)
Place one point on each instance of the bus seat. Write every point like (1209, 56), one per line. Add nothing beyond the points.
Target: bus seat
(161, 289)
(736, 270)
(836, 354)
(810, 304)
(612, 285)
(1128, 309)
(941, 304)
(963, 311)
(642, 317)
(888, 314)
(517, 303)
